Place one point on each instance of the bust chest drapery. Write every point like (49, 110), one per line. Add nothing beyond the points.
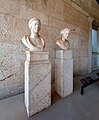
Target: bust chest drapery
(33, 45)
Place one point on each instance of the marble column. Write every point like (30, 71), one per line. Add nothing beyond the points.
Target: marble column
(37, 82)
(64, 73)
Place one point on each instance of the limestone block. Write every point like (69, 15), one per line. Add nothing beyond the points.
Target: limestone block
(67, 9)
(23, 2)
(12, 29)
(52, 53)
(11, 78)
(83, 65)
(55, 9)
(64, 73)
(53, 34)
(85, 52)
(76, 53)
(2, 77)
(54, 22)
(11, 70)
(6, 49)
(59, 6)
(37, 82)
(51, 4)
(44, 31)
(11, 52)
(68, 19)
(68, 1)
(44, 18)
(76, 65)
(57, 15)
(75, 44)
(77, 1)
(27, 13)
(9, 6)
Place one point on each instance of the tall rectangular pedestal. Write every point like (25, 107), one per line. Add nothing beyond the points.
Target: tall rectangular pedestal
(37, 83)
(64, 73)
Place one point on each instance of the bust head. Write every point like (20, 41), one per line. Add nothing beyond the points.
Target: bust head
(65, 33)
(34, 25)
(33, 41)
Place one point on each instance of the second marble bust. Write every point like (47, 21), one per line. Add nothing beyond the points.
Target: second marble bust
(34, 42)
(63, 43)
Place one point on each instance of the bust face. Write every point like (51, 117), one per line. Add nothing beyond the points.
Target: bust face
(35, 26)
(66, 34)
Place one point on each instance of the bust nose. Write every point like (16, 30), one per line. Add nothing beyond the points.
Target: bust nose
(37, 25)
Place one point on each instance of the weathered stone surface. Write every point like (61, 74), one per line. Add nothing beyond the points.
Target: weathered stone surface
(40, 88)
(11, 78)
(37, 82)
(64, 73)
(11, 70)
(62, 54)
(55, 22)
(10, 7)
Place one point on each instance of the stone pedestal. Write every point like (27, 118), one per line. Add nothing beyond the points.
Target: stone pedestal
(64, 73)
(37, 82)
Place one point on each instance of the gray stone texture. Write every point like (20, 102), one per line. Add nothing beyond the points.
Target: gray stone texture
(37, 82)
(64, 73)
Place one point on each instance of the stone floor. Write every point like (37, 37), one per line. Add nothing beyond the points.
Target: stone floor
(73, 107)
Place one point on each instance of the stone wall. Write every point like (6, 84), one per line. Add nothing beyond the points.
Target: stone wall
(54, 15)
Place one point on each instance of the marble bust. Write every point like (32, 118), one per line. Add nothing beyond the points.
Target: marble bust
(63, 43)
(34, 42)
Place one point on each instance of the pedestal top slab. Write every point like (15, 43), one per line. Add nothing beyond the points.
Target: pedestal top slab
(63, 54)
(37, 56)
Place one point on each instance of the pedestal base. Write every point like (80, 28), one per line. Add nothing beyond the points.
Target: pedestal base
(37, 85)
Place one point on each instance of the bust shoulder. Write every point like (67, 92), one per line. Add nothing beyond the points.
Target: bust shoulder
(63, 45)
(24, 38)
(58, 42)
(25, 41)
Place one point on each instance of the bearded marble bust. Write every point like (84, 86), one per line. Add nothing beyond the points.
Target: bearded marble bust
(34, 42)
(63, 43)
